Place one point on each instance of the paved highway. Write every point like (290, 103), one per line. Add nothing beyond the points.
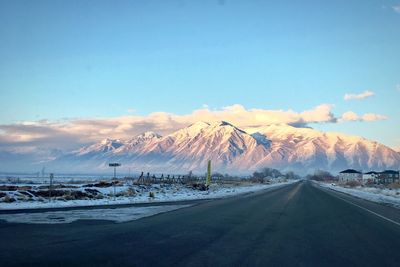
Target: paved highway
(297, 225)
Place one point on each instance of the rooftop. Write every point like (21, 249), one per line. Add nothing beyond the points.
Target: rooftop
(350, 171)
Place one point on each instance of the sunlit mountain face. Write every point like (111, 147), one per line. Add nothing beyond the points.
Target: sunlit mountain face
(231, 150)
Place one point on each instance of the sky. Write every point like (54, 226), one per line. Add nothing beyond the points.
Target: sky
(72, 72)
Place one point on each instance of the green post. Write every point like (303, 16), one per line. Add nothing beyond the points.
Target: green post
(208, 173)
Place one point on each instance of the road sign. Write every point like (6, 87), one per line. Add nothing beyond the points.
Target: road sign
(114, 164)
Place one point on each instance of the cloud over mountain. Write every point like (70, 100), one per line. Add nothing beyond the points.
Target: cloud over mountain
(70, 134)
(352, 116)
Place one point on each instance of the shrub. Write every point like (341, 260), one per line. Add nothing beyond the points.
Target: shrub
(131, 192)
(8, 188)
(353, 183)
(320, 175)
(266, 172)
(92, 191)
(72, 195)
(8, 199)
(394, 185)
(152, 194)
(257, 178)
(200, 186)
(99, 196)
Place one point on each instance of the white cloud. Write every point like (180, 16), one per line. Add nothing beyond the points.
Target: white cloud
(396, 8)
(373, 117)
(70, 134)
(367, 117)
(360, 96)
(242, 117)
(350, 116)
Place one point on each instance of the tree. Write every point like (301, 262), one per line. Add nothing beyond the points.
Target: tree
(267, 172)
(260, 176)
(217, 176)
(321, 175)
(291, 175)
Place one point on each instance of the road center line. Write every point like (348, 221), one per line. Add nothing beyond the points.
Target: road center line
(294, 191)
(368, 210)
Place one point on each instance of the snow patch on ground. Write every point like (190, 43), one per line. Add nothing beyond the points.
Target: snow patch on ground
(379, 195)
(117, 215)
(162, 193)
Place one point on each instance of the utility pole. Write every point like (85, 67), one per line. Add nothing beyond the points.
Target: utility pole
(208, 182)
(43, 171)
(114, 165)
(51, 184)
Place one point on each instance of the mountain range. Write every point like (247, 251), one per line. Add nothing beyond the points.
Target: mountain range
(233, 150)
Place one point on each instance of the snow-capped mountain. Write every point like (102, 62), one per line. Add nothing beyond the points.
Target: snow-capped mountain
(137, 143)
(234, 150)
(104, 146)
(305, 148)
(224, 144)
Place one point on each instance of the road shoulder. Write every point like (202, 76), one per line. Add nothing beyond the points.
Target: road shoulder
(385, 212)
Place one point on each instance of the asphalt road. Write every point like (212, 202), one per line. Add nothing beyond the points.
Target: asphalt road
(297, 225)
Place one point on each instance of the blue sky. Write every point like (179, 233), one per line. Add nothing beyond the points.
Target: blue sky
(68, 60)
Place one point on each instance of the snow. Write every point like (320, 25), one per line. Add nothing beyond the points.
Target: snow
(162, 192)
(305, 147)
(233, 150)
(379, 195)
(117, 215)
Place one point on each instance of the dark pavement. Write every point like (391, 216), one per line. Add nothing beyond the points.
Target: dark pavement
(297, 225)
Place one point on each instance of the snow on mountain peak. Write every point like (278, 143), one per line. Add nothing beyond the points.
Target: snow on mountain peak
(149, 135)
(108, 141)
(198, 125)
(223, 123)
(103, 146)
(235, 150)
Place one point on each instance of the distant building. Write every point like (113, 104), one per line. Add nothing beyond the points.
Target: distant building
(388, 177)
(350, 175)
(370, 177)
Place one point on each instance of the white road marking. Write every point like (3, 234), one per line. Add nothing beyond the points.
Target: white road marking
(294, 192)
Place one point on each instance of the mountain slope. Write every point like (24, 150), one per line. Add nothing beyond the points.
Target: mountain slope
(226, 145)
(305, 148)
(234, 150)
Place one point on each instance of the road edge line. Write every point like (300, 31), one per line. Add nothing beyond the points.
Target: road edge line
(363, 208)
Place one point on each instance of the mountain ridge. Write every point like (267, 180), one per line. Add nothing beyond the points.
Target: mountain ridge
(236, 150)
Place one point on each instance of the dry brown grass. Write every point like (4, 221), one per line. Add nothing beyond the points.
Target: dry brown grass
(353, 183)
(394, 185)
(8, 199)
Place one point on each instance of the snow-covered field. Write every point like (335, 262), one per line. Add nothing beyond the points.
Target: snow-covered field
(26, 195)
(375, 194)
(117, 215)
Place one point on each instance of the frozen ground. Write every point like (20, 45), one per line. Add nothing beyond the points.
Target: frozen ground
(26, 197)
(117, 215)
(375, 194)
